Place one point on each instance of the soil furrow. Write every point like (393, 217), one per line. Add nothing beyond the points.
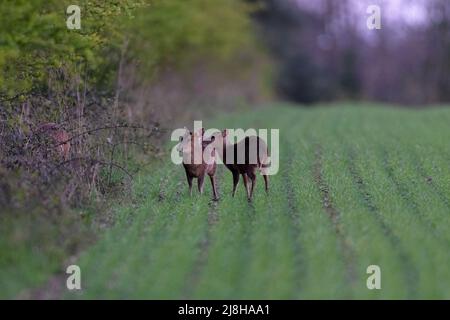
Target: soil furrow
(334, 215)
(411, 273)
(295, 226)
(430, 181)
(204, 245)
(404, 193)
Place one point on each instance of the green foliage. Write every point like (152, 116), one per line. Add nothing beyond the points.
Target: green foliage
(34, 245)
(35, 41)
(179, 32)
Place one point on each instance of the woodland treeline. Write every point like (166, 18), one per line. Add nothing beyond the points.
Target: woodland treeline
(325, 52)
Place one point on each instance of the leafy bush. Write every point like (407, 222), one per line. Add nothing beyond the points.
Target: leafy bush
(179, 32)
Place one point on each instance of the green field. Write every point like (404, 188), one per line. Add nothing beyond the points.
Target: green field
(357, 186)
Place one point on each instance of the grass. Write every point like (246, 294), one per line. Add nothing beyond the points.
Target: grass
(33, 245)
(357, 186)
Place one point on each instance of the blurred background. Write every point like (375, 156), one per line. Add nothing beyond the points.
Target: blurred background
(82, 111)
(325, 51)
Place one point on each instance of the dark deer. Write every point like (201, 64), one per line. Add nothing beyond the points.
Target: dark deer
(192, 143)
(59, 136)
(255, 158)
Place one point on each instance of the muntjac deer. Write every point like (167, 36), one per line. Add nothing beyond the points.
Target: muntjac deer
(58, 135)
(191, 146)
(250, 156)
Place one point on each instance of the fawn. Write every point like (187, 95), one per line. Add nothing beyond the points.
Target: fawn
(192, 144)
(247, 164)
(59, 136)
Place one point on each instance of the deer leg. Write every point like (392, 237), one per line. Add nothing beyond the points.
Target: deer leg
(201, 180)
(245, 178)
(189, 180)
(252, 177)
(266, 182)
(213, 184)
(235, 182)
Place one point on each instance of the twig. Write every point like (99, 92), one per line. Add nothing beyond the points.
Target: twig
(93, 161)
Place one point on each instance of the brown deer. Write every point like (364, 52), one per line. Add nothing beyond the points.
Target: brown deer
(250, 156)
(191, 148)
(59, 136)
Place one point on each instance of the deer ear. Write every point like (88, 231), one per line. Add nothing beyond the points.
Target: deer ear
(186, 132)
